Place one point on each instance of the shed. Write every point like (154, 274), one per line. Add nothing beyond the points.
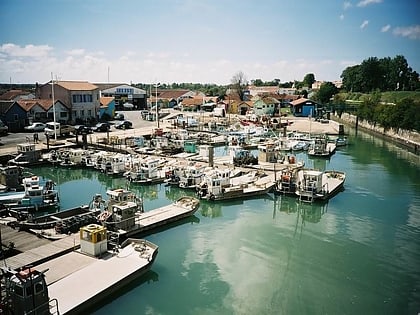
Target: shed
(303, 107)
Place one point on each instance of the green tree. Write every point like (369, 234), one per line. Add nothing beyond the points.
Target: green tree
(326, 92)
(308, 80)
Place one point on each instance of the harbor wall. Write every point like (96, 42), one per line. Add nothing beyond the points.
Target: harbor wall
(409, 139)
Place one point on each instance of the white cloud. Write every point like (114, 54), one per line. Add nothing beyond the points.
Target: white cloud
(76, 52)
(342, 17)
(365, 3)
(31, 51)
(347, 5)
(412, 32)
(364, 24)
(385, 28)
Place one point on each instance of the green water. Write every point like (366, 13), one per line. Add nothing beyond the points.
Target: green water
(357, 254)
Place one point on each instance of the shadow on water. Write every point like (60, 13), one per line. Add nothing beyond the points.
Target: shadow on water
(148, 278)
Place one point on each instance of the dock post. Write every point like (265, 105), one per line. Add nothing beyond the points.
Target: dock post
(341, 129)
(211, 156)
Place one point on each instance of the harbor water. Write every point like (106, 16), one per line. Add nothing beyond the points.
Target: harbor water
(359, 253)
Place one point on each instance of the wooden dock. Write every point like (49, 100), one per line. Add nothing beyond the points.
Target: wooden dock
(35, 250)
(159, 217)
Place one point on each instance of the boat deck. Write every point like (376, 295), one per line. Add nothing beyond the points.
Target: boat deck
(89, 276)
(159, 217)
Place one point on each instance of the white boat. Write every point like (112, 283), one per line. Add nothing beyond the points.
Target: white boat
(213, 187)
(147, 172)
(318, 185)
(127, 219)
(192, 176)
(320, 147)
(35, 197)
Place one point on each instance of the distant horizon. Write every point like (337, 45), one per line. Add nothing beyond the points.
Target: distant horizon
(203, 41)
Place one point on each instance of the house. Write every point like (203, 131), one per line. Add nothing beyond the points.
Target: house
(262, 90)
(80, 97)
(14, 95)
(21, 113)
(169, 97)
(192, 104)
(43, 110)
(240, 107)
(303, 107)
(125, 93)
(107, 107)
(266, 106)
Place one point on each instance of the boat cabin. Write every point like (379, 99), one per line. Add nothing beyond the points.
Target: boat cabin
(11, 177)
(93, 240)
(26, 154)
(27, 292)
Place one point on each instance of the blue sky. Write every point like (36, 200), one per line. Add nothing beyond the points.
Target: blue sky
(205, 41)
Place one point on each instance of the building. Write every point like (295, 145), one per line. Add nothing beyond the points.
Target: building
(266, 106)
(303, 107)
(107, 107)
(126, 94)
(15, 95)
(80, 97)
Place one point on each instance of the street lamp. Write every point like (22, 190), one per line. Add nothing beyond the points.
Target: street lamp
(53, 101)
(156, 109)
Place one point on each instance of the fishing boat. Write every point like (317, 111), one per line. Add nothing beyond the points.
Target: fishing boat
(11, 178)
(126, 218)
(148, 171)
(214, 188)
(192, 176)
(36, 196)
(287, 181)
(318, 185)
(96, 271)
(320, 147)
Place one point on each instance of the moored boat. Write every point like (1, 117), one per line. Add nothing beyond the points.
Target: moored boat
(36, 196)
(95, 271)
(318, 185)
(214, 188)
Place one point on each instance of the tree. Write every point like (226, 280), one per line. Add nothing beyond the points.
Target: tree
(239, 83)
(385, 74)
(308, 80)
(326, 92)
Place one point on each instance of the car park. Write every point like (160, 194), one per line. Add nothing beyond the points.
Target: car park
(125, 124)
(36, 127)
(101, 127)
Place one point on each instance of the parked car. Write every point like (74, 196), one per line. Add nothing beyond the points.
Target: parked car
(36, 127)
(3, 128)
(119, 116)
(144, 113)
(101, 127)
(128, 106)
(125, 124)
(82, 129)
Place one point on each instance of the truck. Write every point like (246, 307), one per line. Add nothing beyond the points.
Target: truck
(61, 129)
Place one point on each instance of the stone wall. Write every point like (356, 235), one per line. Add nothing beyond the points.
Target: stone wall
(408, 138)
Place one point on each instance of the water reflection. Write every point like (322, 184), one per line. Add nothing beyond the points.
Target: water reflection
(305, 212)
